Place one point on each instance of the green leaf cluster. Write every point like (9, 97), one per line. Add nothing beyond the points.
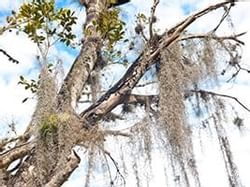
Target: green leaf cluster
(142, 18)
(48, 125)
(110, 26)
(40, 20)
(31, 85)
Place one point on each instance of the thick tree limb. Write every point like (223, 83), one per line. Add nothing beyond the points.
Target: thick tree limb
(117, 94)
(15, 153)
(61, 176)
(74, 82)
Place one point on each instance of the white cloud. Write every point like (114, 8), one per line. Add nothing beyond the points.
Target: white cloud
(21, 49)
(8, 5)
(12, 94)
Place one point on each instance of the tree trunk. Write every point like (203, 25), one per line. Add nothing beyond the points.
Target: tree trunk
(51, 162)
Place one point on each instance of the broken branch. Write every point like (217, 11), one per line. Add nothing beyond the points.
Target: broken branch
(117, 94)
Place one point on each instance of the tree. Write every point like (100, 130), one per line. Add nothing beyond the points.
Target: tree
(179, 62)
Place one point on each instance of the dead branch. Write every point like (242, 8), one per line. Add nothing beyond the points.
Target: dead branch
(145, 84)
(226, 13)
(239, 68)
(152, 18)
(15, 153)
(213, 36)
(196, 16)
(117, 94)
(61, 176)
(221, 95)
(115, 164)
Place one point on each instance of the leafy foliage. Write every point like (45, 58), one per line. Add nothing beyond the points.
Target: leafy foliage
(31, 85)
(40, 21)
(110, 26)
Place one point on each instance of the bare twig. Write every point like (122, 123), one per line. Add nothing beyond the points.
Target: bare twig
(115, 164)
(195, 16)
(238, 69)
(221, 95)
(146, 84)
(212, 36)
(12, 25)
(152, 18)
(226, 13)
(144, 36)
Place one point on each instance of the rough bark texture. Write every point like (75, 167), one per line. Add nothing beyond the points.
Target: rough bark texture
(86, 60)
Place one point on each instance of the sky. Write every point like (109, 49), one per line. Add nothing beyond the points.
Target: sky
(168, 12)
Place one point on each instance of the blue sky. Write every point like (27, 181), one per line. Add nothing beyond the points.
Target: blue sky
(169, 12)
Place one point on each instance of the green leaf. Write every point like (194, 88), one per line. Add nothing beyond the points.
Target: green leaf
(21, 78)
(24, 100)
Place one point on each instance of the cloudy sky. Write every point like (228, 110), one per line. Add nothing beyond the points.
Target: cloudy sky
(169, 12)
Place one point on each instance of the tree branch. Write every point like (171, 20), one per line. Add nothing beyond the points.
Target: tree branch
(226, 13)
(196, 16)
(115, 164)
(118, 93)
(61, 176)
(152, 18)
(74, 82)
(221, 95)
(212, 36)
(6, 141)
(10, 58)
(17, 152)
